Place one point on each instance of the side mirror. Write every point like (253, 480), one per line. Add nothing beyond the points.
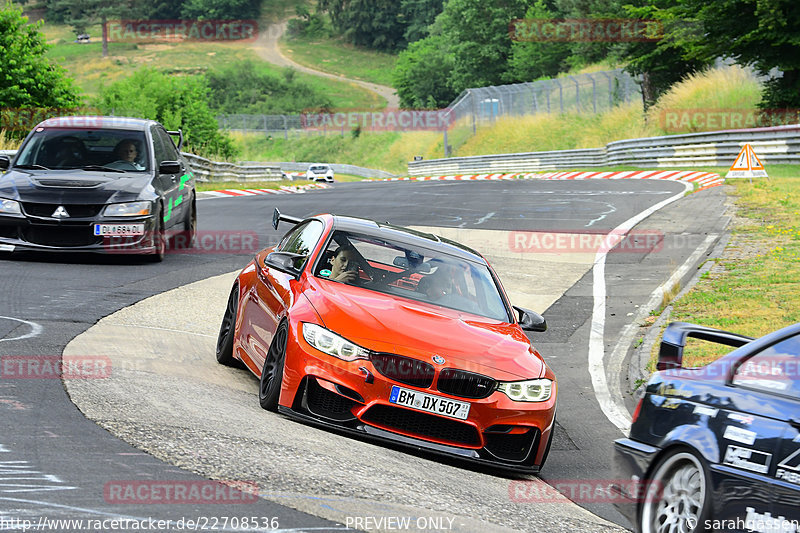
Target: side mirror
(530, 320)
(5, 162)
(285, 262)
(169, 167)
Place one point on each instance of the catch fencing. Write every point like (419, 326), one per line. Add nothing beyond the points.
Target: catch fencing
(775, 145)
(588, 93)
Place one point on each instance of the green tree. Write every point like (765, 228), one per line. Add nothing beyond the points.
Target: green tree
(762, 33)
(422, 74)
(418, 15)
(376, 24)
(664, 61)
(221, 9)
(27, 79)
(176, 102)
(531, 60)
(478, 35)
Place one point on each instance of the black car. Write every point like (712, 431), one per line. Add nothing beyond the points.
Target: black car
(97, 184)
(716, 448)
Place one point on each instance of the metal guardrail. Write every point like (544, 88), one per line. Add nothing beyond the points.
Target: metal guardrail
(207, 170)
(776, 145)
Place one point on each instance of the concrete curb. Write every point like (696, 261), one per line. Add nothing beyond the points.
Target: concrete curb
(703, 179)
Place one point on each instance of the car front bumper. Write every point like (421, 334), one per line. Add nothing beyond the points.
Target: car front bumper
(355, 397)
(632, 460)
(41, 234)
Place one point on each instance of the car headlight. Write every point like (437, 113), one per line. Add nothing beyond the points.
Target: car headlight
(9, 207)
(330, 343)
(128, 209)
(532, 390)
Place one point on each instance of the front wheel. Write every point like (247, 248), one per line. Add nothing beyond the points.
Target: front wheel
(186, 239)
(226, 330)
(678, 496)
(159, 239)
(272, 374)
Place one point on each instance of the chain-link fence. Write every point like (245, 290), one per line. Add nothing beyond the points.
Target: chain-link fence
(582, 93)
(589, 93)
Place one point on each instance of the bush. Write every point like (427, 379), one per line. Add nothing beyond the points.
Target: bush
(249, 88)
(308, 24)
(176, 102)
(422, 74)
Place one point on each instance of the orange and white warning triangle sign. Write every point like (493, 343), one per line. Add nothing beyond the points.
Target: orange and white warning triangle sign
(747, 165)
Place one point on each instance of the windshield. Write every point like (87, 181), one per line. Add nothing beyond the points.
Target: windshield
(412, 272)
(71, 148)
(319, 169)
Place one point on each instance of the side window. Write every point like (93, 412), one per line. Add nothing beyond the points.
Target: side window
(158, 147)
(302, 240)
(775, 369)
(170, 152)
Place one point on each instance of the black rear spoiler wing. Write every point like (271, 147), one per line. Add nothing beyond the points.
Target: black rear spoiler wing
(179, 135)
(277, 217)
(670, 354)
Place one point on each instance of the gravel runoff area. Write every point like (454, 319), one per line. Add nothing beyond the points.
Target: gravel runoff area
(167, 396)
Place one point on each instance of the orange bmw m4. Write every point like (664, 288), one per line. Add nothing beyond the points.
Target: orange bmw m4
(388, 333)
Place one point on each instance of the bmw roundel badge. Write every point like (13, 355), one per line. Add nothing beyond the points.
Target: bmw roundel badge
(438, 359)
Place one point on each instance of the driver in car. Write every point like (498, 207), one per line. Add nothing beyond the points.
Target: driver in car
(344, 265)
(126, 151)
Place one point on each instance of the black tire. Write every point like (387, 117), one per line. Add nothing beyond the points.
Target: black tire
(227, 330)
(269, 389)
(159, 239)
(678, 495)
(187, 238)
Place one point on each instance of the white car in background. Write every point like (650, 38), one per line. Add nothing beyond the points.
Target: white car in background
(320, 173)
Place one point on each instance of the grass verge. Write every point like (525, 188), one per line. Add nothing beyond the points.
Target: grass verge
(337, 57)
(85, 64)
(754, 287)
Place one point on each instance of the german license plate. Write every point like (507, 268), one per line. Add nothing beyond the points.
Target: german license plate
(117, 230)
(429, 403)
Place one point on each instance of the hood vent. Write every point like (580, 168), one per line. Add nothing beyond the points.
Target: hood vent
(69, 184)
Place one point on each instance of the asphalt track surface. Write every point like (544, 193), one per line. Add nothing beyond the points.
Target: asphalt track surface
(56, 463)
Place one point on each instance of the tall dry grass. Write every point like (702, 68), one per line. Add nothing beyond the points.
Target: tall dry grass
(550, 131)
(718, 98)
(8, 143)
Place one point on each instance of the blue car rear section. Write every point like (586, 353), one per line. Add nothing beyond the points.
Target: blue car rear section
(746, 432)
